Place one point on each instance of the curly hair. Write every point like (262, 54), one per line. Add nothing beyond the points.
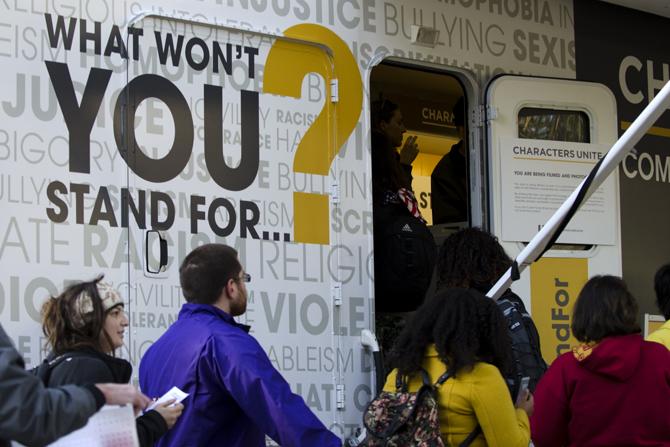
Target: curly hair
(62, 334)
(471, 258)
(465, 326)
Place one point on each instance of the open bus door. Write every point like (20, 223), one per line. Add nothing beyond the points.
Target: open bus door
(428, 95)
(544, 136)
(447, 176)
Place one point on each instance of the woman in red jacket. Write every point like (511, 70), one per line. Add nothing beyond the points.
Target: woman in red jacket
(613, 389)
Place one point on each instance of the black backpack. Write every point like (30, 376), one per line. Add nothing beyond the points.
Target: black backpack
(528, 361)
(405, 255)
(43, 370)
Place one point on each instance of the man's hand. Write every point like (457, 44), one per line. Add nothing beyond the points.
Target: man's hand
(117, 394)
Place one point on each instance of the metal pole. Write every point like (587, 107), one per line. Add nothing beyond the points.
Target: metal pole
(624, 144)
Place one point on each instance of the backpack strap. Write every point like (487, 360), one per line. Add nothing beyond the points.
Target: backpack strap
(401, 382)
(478, 429)
(471, 437)
(443, 378)
(43, 371)
(425, 377)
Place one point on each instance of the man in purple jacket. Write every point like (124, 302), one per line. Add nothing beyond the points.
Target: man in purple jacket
(236, 396)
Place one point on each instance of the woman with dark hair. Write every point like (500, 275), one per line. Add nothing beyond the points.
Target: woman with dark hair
(474, 258)
(392, 171)
(84, 325)
(387, 119)
(614, 388)
(404, 247)
(463, 332)
(471, 258)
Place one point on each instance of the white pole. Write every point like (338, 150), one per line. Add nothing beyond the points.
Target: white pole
(624, 144)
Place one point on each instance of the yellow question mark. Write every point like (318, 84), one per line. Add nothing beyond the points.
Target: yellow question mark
(286, 66)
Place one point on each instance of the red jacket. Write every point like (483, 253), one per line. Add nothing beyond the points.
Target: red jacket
(618, 395)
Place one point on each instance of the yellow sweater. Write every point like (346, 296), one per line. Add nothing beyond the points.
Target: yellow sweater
(477, 396)
(661, 335)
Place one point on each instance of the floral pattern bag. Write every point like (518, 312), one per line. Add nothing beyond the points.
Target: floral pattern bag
(405, 419)
(402, 418)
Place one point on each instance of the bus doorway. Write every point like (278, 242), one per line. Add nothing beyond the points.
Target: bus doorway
(423, 172)
(433, 105)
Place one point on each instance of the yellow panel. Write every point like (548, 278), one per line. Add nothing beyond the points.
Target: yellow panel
(286, 66)
(311, 218)
(554, 286)
(421, 188)
(653, 326)
(424, 164)
(654, 130)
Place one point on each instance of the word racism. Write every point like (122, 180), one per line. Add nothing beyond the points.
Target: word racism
(80, 117)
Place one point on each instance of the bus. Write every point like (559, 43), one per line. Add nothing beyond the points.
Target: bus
(135, 130)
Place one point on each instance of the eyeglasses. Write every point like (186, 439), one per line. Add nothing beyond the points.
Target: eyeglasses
(245, 277)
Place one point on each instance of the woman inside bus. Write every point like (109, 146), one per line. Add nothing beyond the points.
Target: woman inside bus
(387, 120)
(84, 326)
(393, 201)
(614, 388)
(463, 332)
(392, 171)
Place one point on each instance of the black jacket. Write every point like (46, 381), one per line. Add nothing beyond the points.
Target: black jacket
(449, 187)
(32, 414)
(89, 366)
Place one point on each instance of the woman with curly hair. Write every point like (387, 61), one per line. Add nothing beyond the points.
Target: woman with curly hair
(84, 325)
(464, 333)
(473, 258)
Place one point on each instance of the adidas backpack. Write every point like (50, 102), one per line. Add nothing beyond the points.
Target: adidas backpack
(405, 255)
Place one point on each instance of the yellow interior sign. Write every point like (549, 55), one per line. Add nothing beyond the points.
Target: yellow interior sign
(652, 323)
(554, 286)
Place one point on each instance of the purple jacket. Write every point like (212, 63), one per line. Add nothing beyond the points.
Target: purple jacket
(235, 396)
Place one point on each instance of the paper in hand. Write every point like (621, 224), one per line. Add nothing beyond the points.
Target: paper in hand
(174, 393)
